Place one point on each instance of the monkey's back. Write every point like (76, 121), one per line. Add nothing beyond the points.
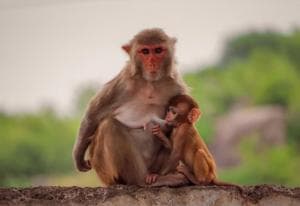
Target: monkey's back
(193, 143)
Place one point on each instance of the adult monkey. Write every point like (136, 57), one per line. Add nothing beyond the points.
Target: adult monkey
(122, 152)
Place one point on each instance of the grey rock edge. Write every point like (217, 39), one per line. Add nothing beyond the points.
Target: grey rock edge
(130, 195)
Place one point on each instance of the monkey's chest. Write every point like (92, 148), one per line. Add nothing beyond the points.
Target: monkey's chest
(137, 113)
(150, 95)
(146, 103)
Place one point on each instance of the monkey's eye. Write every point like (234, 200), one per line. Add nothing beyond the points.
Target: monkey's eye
(158, 50)
(172, 111)
(145, 51)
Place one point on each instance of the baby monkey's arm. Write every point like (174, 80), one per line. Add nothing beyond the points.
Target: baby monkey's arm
(157, 131)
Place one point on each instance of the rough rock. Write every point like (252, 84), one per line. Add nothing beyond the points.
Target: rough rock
(268, 122)
(130, 195)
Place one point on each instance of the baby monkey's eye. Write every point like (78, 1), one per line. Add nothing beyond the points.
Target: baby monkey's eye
(170, 109)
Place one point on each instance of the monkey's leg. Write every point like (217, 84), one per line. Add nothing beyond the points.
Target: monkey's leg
(172, 180)
(201, 168)
(182, 168)
(114, 157)
(160, 158)
(100, 159)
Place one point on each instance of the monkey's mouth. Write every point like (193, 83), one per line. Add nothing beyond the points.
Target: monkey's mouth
(169, 123)
(153, 73)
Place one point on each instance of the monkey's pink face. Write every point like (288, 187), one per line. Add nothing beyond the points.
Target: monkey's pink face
(173, 113)
(152, 58)
(171, 116)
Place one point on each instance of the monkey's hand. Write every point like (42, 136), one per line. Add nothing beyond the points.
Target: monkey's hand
(83, 165)
(156, 130)
(182, 168)
(80, 163)
(151, 178)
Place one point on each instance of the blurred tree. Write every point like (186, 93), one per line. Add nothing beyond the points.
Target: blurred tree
(34, 144)
(261, 67)
(242, 45)
(279, 165)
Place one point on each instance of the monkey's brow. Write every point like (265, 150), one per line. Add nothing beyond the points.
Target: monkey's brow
(173, 109)
(152, 46)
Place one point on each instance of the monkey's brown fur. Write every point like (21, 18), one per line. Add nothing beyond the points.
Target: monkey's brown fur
(121, 152)
(187, 146)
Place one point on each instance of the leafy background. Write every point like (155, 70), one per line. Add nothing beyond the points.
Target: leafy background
(261, 66)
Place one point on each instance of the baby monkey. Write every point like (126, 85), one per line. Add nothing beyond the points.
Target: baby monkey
(186, 145)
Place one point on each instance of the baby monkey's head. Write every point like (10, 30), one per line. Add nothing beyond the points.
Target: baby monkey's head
(180, 110)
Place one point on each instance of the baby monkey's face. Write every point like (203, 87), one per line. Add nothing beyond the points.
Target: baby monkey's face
(176, 113)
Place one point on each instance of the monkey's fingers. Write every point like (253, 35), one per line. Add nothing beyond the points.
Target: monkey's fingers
(148, 179)
(181, 168)
(156, 126)
(157, 134)
(88, 163)
(155, 130)
(151, 178)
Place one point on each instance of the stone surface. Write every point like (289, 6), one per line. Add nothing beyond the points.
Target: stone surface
(129, 195)
(266, 122)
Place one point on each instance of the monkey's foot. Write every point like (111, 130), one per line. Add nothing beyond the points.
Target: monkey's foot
(172, 180)
(151, 178)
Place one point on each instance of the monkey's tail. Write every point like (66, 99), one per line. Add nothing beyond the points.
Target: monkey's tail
(221, 183)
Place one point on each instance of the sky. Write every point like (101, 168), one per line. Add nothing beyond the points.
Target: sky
(50, 48)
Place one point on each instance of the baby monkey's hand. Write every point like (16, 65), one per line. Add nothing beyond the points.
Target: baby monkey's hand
(156, 130)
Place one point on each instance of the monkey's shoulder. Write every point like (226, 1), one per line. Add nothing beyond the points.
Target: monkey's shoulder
(188, 134)
(185, 130)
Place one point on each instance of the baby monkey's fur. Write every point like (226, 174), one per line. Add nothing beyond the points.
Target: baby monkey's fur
(186, 145)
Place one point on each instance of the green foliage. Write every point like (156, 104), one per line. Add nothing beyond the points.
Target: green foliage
(294, 129)
(258, 68)
(265, 78)
(205, 122)
(276, 165)
(34, 144)
(240, 47)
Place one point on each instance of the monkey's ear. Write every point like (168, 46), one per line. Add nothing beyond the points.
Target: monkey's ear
(194, 115)
(173, 40)
(126, 48)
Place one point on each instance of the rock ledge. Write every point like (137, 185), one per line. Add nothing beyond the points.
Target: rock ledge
(130, 195)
